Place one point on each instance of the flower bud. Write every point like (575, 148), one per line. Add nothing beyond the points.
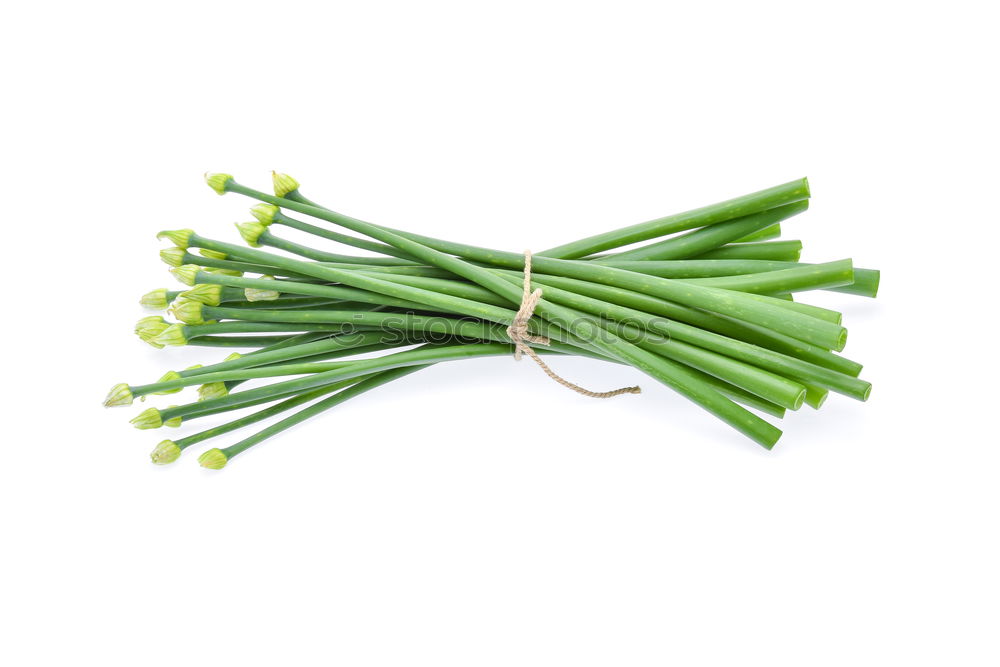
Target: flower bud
(264, 213)
(255, 294)
(148, 328)
(169, 376)
(173, 256)
(213, 459)
(210, 295)
(172, 335)
(218, 182)
(187, 274)
(251, 231)
(283, 184)
(179, 237)
(207, 392)
(165, 452)
(120, 394)
(188, 312)
(155, 300)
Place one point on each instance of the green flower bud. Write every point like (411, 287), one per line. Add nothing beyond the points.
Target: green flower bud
(155, 300)
(283, 184)
(172, 335)
(254, 294)
(251, 231)
(212, 254)
(173, 256)
(151, 418)
(169, 376)
(213, 459)
(264, 213)
(224, 272)
(148, 328)
(210, 295)
(188, 312)
(218, 182)
(165, 452)
(120, 394)
(207, 392)
(187, 274)
(179, 237)
(147, 419)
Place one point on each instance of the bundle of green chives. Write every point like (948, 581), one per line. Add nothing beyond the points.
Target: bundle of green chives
(705, 307)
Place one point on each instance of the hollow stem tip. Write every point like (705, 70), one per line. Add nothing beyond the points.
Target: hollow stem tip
(218, 181)
(213, 459)
(283, 184)
(120, 394)
(151, 418)
(179, 237)
(165, 452)
(154, 300)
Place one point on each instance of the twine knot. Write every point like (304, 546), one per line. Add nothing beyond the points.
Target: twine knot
(521, 337)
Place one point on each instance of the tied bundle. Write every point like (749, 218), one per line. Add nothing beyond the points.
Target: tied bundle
(706, 308)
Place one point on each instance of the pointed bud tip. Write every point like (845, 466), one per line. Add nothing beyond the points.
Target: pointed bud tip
(213, 459)
(120, 394)
(283, 184)
(179, 237)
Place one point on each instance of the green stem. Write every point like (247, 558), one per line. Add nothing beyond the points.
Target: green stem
(733, 208)
(195, 438)
(319, 407)
(708, 238)
(796, 279)
(281, 219)
(660, 368)
(433, 251)
(266, 238)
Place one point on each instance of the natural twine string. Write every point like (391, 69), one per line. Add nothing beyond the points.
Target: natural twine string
(518, 332)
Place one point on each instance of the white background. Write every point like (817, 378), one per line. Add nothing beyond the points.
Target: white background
(477, 514)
